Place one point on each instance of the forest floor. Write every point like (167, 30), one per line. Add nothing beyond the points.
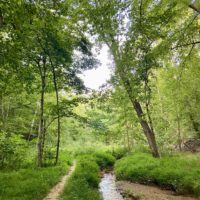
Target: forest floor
(58, 188)
(145, 192)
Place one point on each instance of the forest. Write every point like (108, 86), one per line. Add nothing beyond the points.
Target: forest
(136, 137)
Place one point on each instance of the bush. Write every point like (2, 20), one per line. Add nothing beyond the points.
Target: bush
(104, 160)
(119, 153)
(13, 151)
(174, 172)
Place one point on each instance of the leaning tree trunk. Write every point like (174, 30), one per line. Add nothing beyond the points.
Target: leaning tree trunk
(148, 131)
(58, 112)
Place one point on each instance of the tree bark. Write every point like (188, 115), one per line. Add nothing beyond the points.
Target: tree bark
(33, 122)
(58, 112)
(41, 127)
(177, 112)
(149, 133)
(192, 6)
(44, 135)
(146, 128)
(40, 143)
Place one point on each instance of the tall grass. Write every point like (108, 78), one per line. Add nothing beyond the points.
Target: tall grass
(31, 183)
(180, 173)
(83, 184)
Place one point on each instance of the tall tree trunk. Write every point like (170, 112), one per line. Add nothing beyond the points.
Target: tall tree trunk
(40, 144)
(149, 133)
(2, 112)
(147, 100)
(58, 112)
(43, 139)
(33, 122)
(146, 128)
(44, 135)
(41, 127)
(178, 120)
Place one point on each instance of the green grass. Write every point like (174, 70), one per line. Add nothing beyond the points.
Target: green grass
(119, 152)
(83, 184)
(179, 172)
(104, 159)
(30, 184)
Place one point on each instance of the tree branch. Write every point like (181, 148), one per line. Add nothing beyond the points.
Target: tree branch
(194, 8)
(185, 45)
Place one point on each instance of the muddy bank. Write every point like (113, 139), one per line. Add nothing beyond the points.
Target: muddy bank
(111, 189)
(144, 192)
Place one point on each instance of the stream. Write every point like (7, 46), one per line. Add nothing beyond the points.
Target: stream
(108, 188)
(109, 191)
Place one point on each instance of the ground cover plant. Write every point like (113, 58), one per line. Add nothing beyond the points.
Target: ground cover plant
(84, 182)
(148, 100)
(179, 172)
(104, 159)
(31, 183)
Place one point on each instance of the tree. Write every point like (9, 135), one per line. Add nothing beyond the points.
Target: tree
(45, 45)
(136, 32)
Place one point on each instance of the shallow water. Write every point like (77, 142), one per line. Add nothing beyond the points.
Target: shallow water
(108, 188)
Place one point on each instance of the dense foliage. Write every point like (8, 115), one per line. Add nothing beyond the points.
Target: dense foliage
(150, 104)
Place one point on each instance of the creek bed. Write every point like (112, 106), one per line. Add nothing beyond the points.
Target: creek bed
(108, 188)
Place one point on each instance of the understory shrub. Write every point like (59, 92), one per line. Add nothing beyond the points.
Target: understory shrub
(119, 152)
(104, 160)
(13, 151)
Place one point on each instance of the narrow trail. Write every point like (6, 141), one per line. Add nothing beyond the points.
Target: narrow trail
(145, 192)
(57, 189)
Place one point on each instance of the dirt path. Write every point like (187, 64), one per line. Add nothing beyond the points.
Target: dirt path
(57, 189)
(144, 192)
